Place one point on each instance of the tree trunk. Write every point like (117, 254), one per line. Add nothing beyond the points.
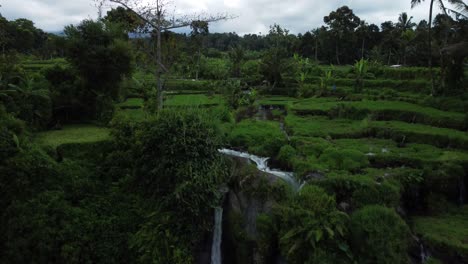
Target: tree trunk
(337, 54)
(316, 49)
(430, 48)
(389, 56)
(404, 56)
(362, 48)
(159, 70)
(198, 64)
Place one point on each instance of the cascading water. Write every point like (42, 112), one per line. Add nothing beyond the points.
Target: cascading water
(262, 165)
(217, 236)
(424, 255)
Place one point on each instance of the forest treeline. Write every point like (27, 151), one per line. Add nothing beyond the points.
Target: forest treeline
(343, 39)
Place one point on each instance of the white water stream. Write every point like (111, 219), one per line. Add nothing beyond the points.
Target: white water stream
(217, 236)
(262, 165)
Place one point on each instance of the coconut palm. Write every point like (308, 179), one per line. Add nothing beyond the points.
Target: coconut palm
(236, 56)
(404, 22)
(461, 10)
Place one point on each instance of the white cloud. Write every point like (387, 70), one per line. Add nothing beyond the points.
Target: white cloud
(254, 16)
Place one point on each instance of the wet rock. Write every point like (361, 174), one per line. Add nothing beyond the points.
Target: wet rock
(314, 176)
(343, 206)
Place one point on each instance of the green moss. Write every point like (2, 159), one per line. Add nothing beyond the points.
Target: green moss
(446, 235)
(72, 134)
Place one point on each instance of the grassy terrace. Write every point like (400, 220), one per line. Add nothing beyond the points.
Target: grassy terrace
(319, 126)
(382, 110)
(72, 134)
(32, 66)
(131, 103)
(446, 233)
(277, 100)
(193, 100)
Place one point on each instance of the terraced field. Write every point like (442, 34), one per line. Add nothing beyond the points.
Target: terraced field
(392, 150)
(387, 152)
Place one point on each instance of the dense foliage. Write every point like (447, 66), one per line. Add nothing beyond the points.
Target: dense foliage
(95, 169)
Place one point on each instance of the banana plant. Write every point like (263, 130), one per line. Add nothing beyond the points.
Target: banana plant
(326, 80)
(360, 71)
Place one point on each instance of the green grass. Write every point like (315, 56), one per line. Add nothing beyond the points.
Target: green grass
(382, 110)
(193, 100)
(82, 133)
(134, 114)
(383, 151)
(401, 131)
(131, 103)
(319, 126)
(276, 100)
(446, 233)
(37, 65)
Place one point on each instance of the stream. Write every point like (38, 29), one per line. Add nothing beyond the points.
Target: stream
(262, 165)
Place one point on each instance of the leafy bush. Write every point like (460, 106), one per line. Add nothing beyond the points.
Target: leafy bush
(379, 235)
(259, 137)
(311, 229)
(286, 155)
(361, 190)
(344, 159)
(214, 69)
(250, 72)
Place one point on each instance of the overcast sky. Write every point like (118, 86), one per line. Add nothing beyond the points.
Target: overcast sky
(254, 16)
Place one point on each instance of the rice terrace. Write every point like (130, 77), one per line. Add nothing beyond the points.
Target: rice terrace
(151, 132)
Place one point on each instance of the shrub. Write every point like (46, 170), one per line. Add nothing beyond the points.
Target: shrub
(214, 69)
(286, 155)
(344, 159)
(250, 72)
(379, 235)
(259, 137)
(311, 229)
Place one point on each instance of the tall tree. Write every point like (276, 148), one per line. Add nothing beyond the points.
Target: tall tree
(404, 22)
(236, 56)
(342, 23)
(155, 14)
(199, 30)
(463, 10)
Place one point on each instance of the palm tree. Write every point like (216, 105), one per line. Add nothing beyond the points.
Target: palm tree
(236, 56)
(404, 22)
(462, 11)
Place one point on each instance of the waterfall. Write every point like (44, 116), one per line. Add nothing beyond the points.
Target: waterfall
(423, 254)
(262, 165)
(217, 236)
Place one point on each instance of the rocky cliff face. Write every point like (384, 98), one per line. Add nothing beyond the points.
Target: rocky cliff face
(250, 195)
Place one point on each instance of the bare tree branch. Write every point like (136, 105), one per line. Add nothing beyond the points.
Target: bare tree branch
(155, 15)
